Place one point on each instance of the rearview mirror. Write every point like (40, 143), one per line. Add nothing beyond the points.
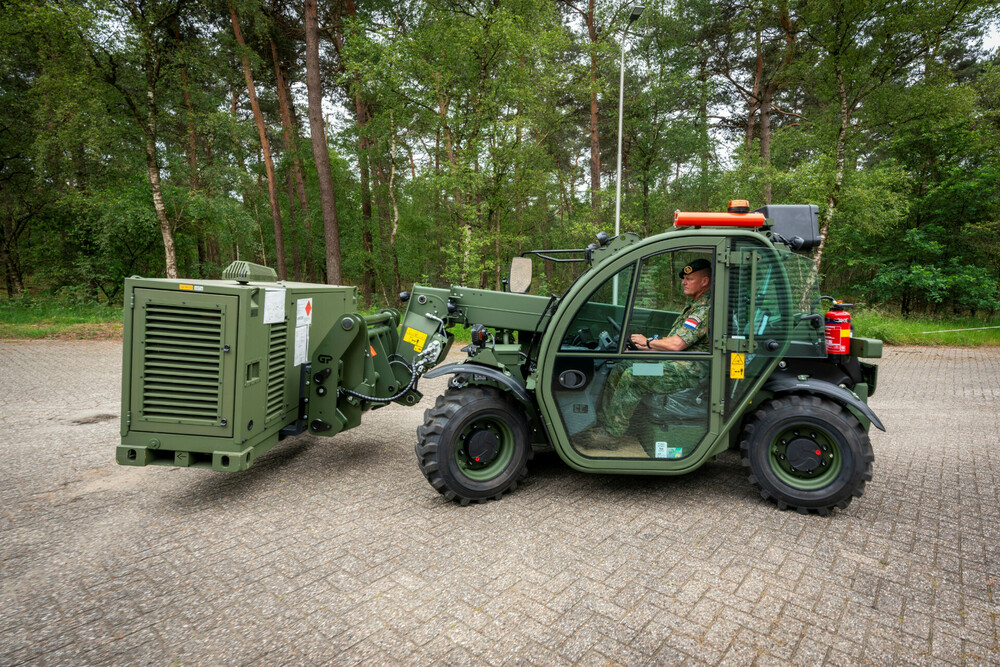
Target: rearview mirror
(520, 274)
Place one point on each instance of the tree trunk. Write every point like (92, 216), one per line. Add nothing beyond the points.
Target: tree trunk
(647, 227)
(703, 139)
(754, 102)
(153, 174)
(321, 152)
(300, 186)
(8, 256)
(465, 227)
(396, 280)
(833, 198)
(191, 149)
(265, 145)
(294, 240)
(765, 139)
(297, 175)
(364, 169)
(595, 141)
(361, 114)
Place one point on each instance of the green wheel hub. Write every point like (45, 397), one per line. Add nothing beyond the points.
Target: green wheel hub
(486, 447)
(805, 457)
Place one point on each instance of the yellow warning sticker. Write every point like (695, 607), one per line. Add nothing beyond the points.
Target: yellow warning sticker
(186, 287)
(737, 366)
(415, 338)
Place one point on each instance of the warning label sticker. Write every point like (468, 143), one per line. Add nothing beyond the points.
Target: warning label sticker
(665, 451)
(737, 366)
(415, 338)
(304, 312)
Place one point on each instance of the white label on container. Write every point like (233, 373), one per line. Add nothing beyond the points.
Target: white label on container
(274, 305)
(301, 345)
(304, 312)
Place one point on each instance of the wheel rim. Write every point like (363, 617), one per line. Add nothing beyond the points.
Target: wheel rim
(805, 457)
(492, 440)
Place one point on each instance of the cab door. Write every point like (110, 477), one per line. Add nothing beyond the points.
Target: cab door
(612, 408)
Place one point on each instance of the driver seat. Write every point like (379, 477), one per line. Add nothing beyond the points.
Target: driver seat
(687, 407)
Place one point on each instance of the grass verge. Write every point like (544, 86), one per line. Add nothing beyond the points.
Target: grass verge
(55, 321)
(897, 330)
(35, 319)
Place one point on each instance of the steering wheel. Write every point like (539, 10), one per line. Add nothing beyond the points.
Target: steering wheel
(629, 345)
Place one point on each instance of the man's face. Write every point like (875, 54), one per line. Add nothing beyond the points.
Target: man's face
(696, 283)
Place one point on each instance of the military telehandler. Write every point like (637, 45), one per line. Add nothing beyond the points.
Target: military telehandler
(217, 372)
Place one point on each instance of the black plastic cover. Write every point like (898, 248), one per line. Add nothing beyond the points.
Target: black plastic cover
(793, 222)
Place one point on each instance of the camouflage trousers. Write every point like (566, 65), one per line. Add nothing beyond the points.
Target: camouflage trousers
(630, 381)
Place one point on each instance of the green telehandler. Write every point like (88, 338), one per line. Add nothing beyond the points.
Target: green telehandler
(217, 372)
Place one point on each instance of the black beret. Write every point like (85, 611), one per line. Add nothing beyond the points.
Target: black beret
(696, 265)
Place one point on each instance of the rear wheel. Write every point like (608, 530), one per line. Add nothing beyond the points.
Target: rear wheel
(806, 453)
(474, 444)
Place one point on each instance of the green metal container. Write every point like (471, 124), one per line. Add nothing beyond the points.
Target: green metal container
(216, 371)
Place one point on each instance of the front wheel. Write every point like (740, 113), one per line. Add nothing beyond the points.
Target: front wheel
(806, 453)
(474, 444)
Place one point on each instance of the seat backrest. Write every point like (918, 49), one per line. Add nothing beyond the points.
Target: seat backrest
(681, 407)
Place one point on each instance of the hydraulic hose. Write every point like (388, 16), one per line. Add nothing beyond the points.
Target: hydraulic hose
(419, 367)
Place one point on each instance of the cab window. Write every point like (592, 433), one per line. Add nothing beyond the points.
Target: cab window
(660, 299)
(598, 324)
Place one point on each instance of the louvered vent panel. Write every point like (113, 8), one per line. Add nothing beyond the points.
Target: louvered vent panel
(182, 365)
(277, 346)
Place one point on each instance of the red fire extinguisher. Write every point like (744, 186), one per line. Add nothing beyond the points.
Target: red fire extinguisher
(838, 329)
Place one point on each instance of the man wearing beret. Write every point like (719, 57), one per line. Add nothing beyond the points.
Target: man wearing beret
(688, 332)
(624, 390)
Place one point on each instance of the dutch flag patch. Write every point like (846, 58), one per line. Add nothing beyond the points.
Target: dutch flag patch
(692, 322)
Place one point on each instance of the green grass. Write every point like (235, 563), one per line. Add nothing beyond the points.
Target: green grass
(28, 318)
(896, 330)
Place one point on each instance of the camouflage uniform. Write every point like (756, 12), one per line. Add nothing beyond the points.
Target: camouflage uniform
(624, 389)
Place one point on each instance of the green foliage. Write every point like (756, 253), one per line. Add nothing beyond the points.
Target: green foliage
(460, 135)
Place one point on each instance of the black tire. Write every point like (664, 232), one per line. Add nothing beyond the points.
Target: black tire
(471, 420)
(832, 451)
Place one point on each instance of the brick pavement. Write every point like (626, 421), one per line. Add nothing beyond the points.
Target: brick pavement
(339, 551)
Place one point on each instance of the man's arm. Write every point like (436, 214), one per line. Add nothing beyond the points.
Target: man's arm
(690, 330)
(670, 344)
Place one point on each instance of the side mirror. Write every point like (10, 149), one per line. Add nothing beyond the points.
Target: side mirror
(520, 274)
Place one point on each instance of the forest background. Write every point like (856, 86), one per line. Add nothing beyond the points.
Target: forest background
(384, 143)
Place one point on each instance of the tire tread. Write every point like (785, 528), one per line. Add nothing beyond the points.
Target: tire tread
(804, 403)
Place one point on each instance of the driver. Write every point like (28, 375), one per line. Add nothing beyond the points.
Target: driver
(625, 389)
(690, 327)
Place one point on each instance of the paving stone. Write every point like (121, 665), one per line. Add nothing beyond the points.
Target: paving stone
(337, 550)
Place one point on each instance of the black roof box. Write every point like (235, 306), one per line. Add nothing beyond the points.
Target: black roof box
(796, 224)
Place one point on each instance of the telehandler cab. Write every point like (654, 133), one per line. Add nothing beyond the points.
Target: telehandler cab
(216, 372)
(540, 369)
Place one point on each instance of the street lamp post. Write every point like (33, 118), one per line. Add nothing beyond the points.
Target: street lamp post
(632, 18)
